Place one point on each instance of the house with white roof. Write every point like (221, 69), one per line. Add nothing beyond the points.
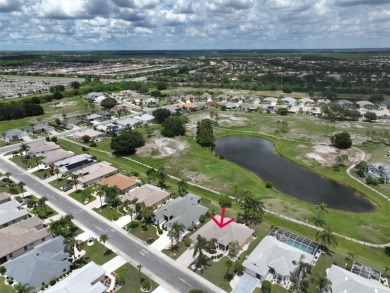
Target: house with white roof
(274, 259)
(87, 279)
(10, 213)
(344, 281)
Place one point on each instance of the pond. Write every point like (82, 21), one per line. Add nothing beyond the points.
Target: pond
(260, 157)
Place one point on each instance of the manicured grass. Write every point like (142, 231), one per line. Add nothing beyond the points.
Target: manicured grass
(5, 288)
(177, 251)
(42, 173)
(96, 253)
(24, 162)
(278, 289)
(131, 275)
(40, 211)
(151, 233)
(81, 194)
(215, 272)
(110, 213)
(61, 182)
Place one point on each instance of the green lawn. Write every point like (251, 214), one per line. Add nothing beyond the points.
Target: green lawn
(82, 194)
(24, 162)
(178, 250)
(151, 233)
(42, 173)
(5, 288)
(110, 213)
(61, 182)
(41, 213)
(96, 253)
(131, 275)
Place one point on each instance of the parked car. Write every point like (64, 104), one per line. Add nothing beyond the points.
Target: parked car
(67, 187)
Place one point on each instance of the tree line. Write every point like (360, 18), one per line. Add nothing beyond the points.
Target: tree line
(17, 110)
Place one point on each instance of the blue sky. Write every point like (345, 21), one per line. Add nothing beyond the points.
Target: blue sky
(187, 24)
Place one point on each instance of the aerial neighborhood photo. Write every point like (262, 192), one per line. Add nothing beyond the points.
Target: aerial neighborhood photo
(181, 146)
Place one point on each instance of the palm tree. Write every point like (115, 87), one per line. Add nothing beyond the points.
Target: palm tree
(21, 184)
(228, 264)
(42, 203)
(252, 207)
(100, 192)
(103, 238)
(233, 249)
(130, 211)
(57, 171)
(350, 256)
(326, 238)
(319, 222)
(37, 161)
(56, 227)
(8, 174)
(300, 271)
(322, 284)
(70, 244)
(26, 288)
(322, 209)
(139, 267)
(201, 244)
(182, 187)
(174, 233)
(74, 180)
(23, 148)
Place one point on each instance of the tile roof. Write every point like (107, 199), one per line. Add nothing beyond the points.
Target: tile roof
(55, 156)
(121, 181)
(148, 194)
(42, 147)
(95, 171)
(230, 233)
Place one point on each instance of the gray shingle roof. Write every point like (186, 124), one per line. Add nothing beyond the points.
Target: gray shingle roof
(185, 210)
(40, 265)
(344, 281)
(9, 211)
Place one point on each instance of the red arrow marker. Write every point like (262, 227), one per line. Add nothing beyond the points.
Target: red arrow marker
(222, 224)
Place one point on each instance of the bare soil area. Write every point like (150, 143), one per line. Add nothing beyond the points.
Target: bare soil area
(163, 146)
(326, 155)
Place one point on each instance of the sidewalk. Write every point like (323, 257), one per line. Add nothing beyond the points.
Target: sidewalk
(186, 258)
(114, 264)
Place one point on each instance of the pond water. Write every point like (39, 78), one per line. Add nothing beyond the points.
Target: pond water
(260, 157)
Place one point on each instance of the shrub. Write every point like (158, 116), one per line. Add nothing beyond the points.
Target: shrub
(239, 269)
(52, 282)
(160, 231)
(84, 149)
(266, 286)
(150, 240)
(146, 284)
(349, 266)
(221, 157)
(93, 144)
(202, 218)
(2, 270)
(187, 242)
(54, 139)
(115, 218)
(144, 227)
(133, 225)
(268, 184)
(387, 250)
(13, 190)
(47, 138)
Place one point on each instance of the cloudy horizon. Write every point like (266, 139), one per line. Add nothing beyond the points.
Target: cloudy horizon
(193, 25)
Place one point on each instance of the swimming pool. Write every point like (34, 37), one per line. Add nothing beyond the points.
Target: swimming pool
(300, 246)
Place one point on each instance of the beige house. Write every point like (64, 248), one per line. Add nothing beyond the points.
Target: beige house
(42, 148)
(150, 195)
(93, 134)
(93, 173)
(124, 183)
(229, 233)
(20, 237)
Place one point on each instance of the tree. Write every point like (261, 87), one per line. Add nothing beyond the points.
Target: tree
(127, 142)
(370, 116)
(139, 267)
(100, 192)
(42, 203)
(282, 111)
(341, 140)
(103, 238)
(74, 180)
(161, 86)
(175, 232)
(361, 168)
(326, 238)
(161, 114)
(322, 284)
(300, 271)
(57, 171)
(21, 184)
(75, 85)
(86, 138)
(173, 126)
(161, 177)
(182, 187)
(234, 248)
(228, 264)
(70, 244)
(57, 96)
(23, 150)
(253, 208)
(148, 130)
(108, 103)
(151, 173)
(225, 201)
(376, 98)
(8, 174)
(201, 244)
(112, 195)
(204, 133)
(147, 213)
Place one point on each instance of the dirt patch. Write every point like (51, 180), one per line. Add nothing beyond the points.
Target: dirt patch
(229, 119)
(162, 147)
(196, 177)
(66, 104)
(326, 155)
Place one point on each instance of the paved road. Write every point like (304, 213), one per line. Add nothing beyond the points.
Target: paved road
(176, 278)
